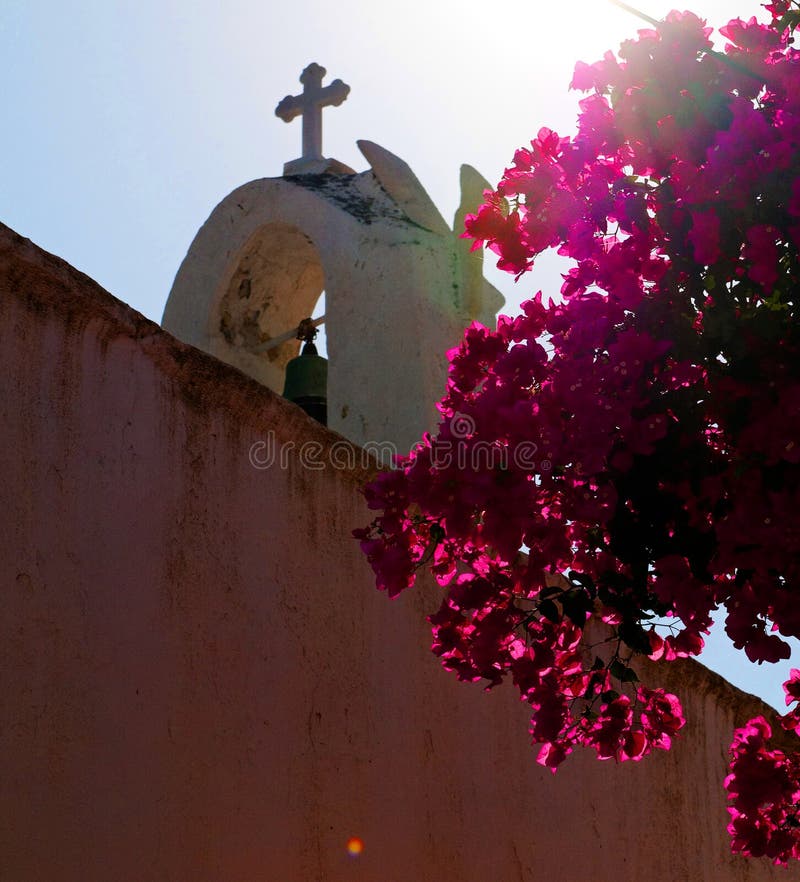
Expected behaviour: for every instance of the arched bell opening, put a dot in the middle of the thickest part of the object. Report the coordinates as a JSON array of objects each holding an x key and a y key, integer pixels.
[{"x": 276, "y": 281}]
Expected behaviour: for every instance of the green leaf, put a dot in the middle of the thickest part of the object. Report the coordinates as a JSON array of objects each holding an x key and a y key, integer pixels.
[
  {"x": 634, "y": 636},
  {"x": 582, "y": 579},
  {"x": 437, "y": 532},
  {"x": 550, "y": 611},
  {"x": 790, "y": 20},
  {"x": 551, "y": 591},
  {"x": 618, "y": 669},
  {"x": 623, "y": 671},
  {"x": 577, "y": 606}
]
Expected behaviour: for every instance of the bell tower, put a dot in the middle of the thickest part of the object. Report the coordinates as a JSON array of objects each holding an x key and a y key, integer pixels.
[{"x": 400, "y": 284}]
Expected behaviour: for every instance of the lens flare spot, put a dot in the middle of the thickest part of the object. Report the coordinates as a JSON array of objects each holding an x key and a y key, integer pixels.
[{"x": 355, "y": 846}]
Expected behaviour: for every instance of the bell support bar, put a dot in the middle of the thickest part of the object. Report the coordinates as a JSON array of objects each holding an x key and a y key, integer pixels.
[{"x": 273, "y": 342}]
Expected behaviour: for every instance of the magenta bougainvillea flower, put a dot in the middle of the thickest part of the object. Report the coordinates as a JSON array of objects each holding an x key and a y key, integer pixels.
[{"x": 639, "y": 436}]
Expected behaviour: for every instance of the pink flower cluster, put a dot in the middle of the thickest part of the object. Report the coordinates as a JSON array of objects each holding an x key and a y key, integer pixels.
[
  {"x": 764, "y": 787},
  {"x": 661, "y": 396}
]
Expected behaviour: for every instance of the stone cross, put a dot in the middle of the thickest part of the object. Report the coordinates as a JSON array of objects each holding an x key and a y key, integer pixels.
[{"x": 309, "y": 105}]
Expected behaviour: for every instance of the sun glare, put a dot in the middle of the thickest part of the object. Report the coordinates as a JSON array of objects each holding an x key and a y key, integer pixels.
[
  {"x": 355, "y": 846},
  {"x": 594, "y": 26}
]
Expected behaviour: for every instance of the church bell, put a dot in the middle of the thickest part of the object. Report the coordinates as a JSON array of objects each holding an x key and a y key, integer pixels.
[{"x": 307, "y": 376}]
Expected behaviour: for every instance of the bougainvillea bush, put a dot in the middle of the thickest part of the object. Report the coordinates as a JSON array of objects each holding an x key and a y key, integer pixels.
[{"x": 639, "y": 436}]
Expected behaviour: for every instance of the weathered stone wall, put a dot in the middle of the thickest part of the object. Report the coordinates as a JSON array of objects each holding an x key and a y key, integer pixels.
[{"x": 199, "y": 682}]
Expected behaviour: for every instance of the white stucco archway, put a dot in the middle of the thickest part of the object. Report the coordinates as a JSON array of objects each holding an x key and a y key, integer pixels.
[
  {"x": 276, "y": 281},
  {"x": 400, "y": 288}
]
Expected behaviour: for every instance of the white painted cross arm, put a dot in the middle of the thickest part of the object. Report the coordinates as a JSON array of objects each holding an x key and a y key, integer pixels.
[{"x": 309, "y": 105}]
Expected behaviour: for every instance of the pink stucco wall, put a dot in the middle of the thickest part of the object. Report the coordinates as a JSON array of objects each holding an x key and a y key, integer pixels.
[{"x": 199, "y": 682}]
